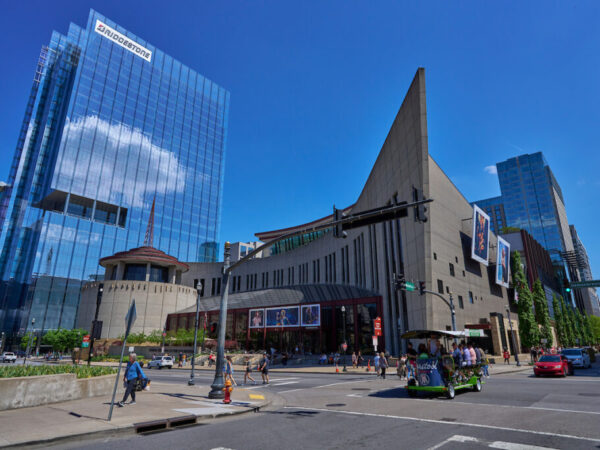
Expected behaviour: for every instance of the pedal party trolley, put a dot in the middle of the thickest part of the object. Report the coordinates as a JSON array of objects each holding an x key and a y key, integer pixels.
[{"x": 441, "y": 375}]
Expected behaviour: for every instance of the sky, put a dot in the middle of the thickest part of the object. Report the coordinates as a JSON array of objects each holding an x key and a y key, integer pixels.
[{"x": 315, "y": 86}]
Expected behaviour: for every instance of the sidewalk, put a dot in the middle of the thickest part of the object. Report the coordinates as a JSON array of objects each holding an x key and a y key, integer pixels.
[{"x": 164, "y": 406}]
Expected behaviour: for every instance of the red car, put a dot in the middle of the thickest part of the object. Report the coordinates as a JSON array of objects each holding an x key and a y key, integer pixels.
[{"x": 553, "y": 365}]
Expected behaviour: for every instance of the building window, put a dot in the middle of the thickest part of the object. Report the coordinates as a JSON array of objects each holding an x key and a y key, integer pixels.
[
  {"x": 464, "y": 274},
  {"x": 440, "y": 286},
  {"x": 435, "y": 256},
  {"x": 471, "y": 297},
  {"x": 451, "y": 268},
  {"x": 461, "y": 304},
  {"x": 456, "y": 259}
]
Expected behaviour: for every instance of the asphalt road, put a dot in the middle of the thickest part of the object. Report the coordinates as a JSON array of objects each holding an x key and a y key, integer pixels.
[{"x": 346, "y": 411}]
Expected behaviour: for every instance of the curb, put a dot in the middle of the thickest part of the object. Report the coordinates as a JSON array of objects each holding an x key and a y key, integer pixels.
[{"x": 171, "y": 423}]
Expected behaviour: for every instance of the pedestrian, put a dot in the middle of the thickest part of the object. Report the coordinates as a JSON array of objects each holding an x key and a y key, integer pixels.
[
  {"x": 264, "y": 368},
  {"x": 180, "y": 362},
  {"x": 248, "y": 374},
  {"x": 133, "y": 372},
  {"x": 506, "y": 356},
  {"x": 228, "y": 370},
  {"x": 376, "y": 363},
  {"x": 402, "y": 366},
  {"x": 383, "y": 364},
  {"x": 354, "y": 360},
  {"x": 360, "y": 359},
  {"x": 485, "y": 364}
]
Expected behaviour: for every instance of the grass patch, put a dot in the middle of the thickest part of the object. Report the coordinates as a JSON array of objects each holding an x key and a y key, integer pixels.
[{"x": 32, "y": 371}]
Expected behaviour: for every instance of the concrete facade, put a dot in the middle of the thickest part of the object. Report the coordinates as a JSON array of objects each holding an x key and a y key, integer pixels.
[
  {"x": 370, "y": 256},
  {"x": 154, "y": 301}
]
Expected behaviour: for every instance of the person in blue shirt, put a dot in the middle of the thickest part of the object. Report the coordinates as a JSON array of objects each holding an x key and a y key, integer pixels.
[{"x": 132, "y": 373}]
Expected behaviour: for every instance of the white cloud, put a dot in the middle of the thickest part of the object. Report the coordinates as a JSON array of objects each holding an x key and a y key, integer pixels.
[
  {"x": 492, "y": 170},
  {"x": 118, "y": 151}
]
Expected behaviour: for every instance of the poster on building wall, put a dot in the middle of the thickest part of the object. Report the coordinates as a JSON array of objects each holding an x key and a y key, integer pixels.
[
  {"x": 503, "y": 263},
  {"x": 481, "y": 236},
  {"x": 285, "y": 316},
  {"x": 311, "y": 315},
  {"x": 257, "y": 318}
]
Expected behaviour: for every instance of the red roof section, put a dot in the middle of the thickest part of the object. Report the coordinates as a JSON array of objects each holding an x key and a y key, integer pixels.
[
  {"x": 266, "y": 236},
  {"x": 146, "y": 254}
]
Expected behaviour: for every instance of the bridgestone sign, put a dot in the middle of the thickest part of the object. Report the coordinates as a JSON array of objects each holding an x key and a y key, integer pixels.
[{"x": 123, "y": 41}]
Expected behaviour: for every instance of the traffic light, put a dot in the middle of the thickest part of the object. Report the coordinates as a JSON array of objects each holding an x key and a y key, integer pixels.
[
  {"x": 421, "y": 209},
  {"x": 338, "y": 231},
  {"x": 400, "y": 282},
  {"x": 567, "y": 285},
  {"x": 421, "y": 287}
]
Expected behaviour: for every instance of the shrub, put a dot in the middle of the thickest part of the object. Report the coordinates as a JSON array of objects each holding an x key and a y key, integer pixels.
[{"x": 32, "y": 371}]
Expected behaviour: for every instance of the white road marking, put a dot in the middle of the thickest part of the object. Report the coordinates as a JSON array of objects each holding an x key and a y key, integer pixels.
[
  {"x": 291, "y": 390},
  {"x": 341, "y": 382},
  {"x": 540, "y": 408},
  {"x": 288, "y": 382},
  {"x": 495, "y": 444},
  {"x": 454, "y": 424},
  {"x": 354, "y": 395}
]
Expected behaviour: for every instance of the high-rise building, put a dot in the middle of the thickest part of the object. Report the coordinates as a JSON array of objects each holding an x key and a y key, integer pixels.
[
  {"x": 589, "y": 296},
  {"x": 112, "y": 124},
  {"x": 532, "y": 200}
]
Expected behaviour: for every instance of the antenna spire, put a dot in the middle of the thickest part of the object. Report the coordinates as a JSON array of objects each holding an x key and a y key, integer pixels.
[{"x": 149, "y": 239}]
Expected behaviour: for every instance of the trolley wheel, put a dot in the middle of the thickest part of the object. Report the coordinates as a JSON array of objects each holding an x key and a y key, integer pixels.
[
  {"x": 477, "y": 387},
  {"x": 450, "y": 392}
]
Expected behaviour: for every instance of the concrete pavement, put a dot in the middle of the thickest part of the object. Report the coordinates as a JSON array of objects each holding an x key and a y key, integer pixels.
[
  {"x": 165, "y": 402},
  {"x": 514, "y": 411}
]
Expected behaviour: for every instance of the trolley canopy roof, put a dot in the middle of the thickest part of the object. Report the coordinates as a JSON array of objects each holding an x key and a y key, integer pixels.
[{"x": 424, "y": 334}]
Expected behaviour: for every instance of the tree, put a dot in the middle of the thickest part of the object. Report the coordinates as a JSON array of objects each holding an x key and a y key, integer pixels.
[
  {"x": 558, "y": 321},
  {"x": 542, "y": 316},
  {"x": 568, "y": 324},
  {"x": 585, "y": 329},
  {"x": 63, "y": 340},
  {"x": 528, "y": 329},
  {"x": 25, "y": 340},
  {"x": 595, "y": 328}
]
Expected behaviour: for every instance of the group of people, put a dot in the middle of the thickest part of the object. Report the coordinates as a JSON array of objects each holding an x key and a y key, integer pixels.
[{"x": 263, "y": 368}]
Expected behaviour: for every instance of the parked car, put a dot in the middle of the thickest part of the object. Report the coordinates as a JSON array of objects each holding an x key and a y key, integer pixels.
[
  {"x": 578, "y": 356},
  {"x": 553, "y": 365},
  {"x": 160, "y": 362},
  {"x": 9, "y": 357}
]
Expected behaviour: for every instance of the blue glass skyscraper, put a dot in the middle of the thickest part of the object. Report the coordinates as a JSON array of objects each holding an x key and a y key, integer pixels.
[{"x": 112, "y": 124}]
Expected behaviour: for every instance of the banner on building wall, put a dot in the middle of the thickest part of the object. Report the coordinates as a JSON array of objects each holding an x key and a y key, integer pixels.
[
  {"x": 256, "y": 318},
  {"x": 285, "y": 316},
  {"x": 481, "y": 236},
  {"x": 503, "y": 263},
  {"x": 311, "y": 315}
]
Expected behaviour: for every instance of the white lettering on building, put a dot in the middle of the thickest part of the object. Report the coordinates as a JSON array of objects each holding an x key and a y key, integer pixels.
[{"x": 123, "y": 41}]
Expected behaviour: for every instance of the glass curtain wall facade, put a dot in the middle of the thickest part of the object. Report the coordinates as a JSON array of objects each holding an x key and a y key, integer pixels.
[{"x": 112, "y": 123}]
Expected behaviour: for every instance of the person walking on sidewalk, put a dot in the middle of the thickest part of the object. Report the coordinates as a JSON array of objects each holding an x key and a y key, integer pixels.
[
  {"x": 354, "y": 360},
  {"x": 133, "y": 372},
  {"x": 264, "y": 368},
  {"x": 506, "y": 356},
  {"x": 376, "y": 361},
  {"x": 247, "y": 375},
  {"x": 383, "y": 364},
  {"x": 228, "y": 370}
]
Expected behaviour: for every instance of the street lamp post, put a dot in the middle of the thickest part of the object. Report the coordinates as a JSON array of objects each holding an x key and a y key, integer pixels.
[
  {"x": 344, "y": 344},
  {"x": 164, "y": 335},
  {"x": 29, "y": 341},
  {"x": 218, "y": 384},
  {"x": 199, "y": 290},
  {"x": 512, "y": 337},
  {"x": 95, "y": 322}
]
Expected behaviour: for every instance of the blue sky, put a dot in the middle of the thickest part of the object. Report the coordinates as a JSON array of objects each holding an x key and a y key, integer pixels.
[{"x": 315, "y": 87}]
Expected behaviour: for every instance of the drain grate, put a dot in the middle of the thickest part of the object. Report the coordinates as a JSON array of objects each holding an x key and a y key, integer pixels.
[
  {"x": 361, "y": 389},
  {"x": 336, "y": 404},
  {"x": 448, "y": 419}
]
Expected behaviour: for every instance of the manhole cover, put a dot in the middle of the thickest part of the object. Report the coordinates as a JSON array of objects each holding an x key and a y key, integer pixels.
[
  {"x": 448, "y": 419},
  {"x": 336, "y": 404},
  {"x": 589, "y": 394}
]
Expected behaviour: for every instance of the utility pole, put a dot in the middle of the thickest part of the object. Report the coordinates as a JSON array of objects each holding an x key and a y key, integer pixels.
[
  {"x": 344, "y": 344},
  {"x": 218, "y": 384},
  {"x": 512, "y": 337},
  {"x": 95, "y": 322},
  {"x": 199, "y": 291}
]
